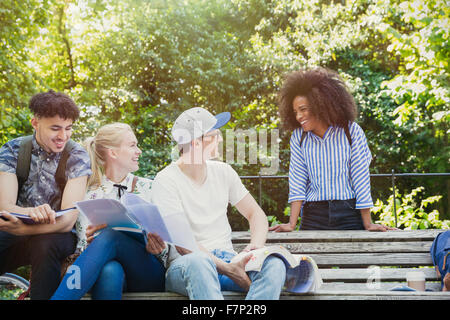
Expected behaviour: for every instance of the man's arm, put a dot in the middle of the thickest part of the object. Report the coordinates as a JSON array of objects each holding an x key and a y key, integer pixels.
[
  {"x": 8, "y": 193},
  {"x": 257, "y": 219},
  {"x": 74, "y": 191},
  {"x": 8, "y": 198}
]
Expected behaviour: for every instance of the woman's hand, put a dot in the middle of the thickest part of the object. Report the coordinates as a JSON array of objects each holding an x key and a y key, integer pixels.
[
  {"x": 91, "y": 230},
  {"x": 369, "y": 226},
  {"x": 155, "y": 245},
  {"x": 378, "y": 227},
  {"x": 285, "y": 227}
]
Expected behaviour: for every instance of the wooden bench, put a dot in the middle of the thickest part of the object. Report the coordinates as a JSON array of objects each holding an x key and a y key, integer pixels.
[{"x": 344, "y": 258}]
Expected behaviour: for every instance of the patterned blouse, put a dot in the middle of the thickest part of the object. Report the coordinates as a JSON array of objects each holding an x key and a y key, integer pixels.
[
  {"x": 41, "y": 187},
  {"x": 107, "y": 190}
]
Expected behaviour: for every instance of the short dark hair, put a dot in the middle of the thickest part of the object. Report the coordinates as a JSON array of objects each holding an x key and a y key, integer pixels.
[
  {"x": 328, "y": 96},
  {"x": 51, "y": 103}
]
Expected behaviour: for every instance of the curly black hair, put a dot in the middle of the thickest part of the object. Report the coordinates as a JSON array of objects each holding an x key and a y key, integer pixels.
[
  {"x": 328, "y": 96},
  {"x": 51, "y": 103}
]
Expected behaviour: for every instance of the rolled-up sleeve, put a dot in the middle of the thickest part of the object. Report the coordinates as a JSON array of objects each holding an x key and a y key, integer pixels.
[
  {"x": 78, "y": 163},
  {"x": 298, "y": 173},
  {"x": 8, "y": 156},
  {"x": 360, "y": 161}
]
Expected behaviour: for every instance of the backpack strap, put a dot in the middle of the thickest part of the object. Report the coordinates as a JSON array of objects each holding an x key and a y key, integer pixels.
[
  {"x": 347, "y": 133},
  {"x": 23, "y": 161},
  {"x": 302, "y": 138},
  {"x": 60, "y": 175}
]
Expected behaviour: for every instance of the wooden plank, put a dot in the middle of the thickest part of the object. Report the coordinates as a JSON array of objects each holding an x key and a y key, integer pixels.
[
  {"x": 153, "y": 296},
  {"x": 363, "y": 274},
  {"x": 341, "y": 235},
  {"x": 320, "y": 295},
  {"x": 368, "y": 295},
  {"x": 350, "y": 247},
  {"x": 383, "y": 286},
  {"x": 356, "y": 260}
]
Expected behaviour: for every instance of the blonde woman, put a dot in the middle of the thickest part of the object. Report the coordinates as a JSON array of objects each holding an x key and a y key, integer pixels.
[{"x": 112, "y": 261}]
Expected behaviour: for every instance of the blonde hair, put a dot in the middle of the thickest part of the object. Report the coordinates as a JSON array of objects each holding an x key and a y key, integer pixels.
[{"x": 108, "y": 136}]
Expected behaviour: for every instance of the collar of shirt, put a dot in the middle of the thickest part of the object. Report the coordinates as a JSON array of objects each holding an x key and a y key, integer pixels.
[
  {"x": 328, "y": 134},
  {"x": 108, "y": 185},
  {"x": 41, "y": 153}
]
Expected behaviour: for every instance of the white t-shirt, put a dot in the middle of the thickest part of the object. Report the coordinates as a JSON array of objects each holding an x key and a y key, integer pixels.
[{"x": 205, "y": 205}]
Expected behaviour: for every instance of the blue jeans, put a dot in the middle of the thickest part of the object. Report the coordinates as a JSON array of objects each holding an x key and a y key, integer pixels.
[
  {"x": 110, "y": 283},
  {"x": 195, "y": 275},
  {"x": 101, "y": 264},
  {"x": 331, "y": 215}
]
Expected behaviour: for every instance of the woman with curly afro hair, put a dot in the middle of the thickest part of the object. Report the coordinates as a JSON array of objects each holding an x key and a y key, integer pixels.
[{"x": 329, "y": 180}]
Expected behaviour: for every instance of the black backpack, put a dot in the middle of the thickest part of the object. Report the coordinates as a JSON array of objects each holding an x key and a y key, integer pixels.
[{"x": 24, "y": 160}]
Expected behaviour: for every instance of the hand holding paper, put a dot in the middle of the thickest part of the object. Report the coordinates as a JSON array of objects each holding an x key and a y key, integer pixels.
[{"x": 133, "y": 214}]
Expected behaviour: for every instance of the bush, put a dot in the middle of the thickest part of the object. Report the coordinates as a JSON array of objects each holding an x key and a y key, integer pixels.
[{"x": 412, "y": 212}]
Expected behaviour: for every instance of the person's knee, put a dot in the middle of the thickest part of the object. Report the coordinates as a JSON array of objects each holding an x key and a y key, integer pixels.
[
  {"x": 275, "y": 268},
  {"x": 43, "y": 243},
  {"x": 107, "y": 235},
  {"x": 197, "y": 261},
  {"x": 112, "y": 270},
  {"x": 108, "y": 238},
  {"x": 56, "y": 246},
  {"x": 110, "y": 282}
]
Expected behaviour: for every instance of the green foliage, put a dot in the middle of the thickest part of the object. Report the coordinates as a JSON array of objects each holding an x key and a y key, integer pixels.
[
  {"x": 412, "y": 212},
  {"x": 420, "y": 88},
  {"x": 7, "y": 293},
  {"x": 19, "y": 25}
]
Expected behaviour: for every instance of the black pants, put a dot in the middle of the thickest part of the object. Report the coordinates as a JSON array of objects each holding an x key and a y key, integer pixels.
[
  {"x": 44, "y": 252},
  {"x": 331, "y": 215}
]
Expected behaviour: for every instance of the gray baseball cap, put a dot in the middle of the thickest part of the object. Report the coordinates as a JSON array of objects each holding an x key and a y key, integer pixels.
[{"x": 195, "y": 122}]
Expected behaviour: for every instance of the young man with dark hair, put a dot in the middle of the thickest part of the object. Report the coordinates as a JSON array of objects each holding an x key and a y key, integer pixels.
[{"x": 47, "y": 242}]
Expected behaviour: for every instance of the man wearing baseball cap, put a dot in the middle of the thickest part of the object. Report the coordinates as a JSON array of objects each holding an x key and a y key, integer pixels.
[{"x": 202, "y": 189}]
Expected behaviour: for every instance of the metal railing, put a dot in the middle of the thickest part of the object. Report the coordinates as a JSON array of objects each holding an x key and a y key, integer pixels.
[{"x": 392, "y": 175}]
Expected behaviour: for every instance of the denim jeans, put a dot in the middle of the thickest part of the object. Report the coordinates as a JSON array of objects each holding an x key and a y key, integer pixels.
[
  {"x": 195, "y": 275},
  {"x": 110, "y": 283},
  {"x": 143, "y": 271},
  {"x": 44, "y": 252},
  {"x": 331, "y": 215}
]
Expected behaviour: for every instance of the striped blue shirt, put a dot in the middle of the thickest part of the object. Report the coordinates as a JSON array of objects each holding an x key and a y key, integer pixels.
[{"x": 329, "y": 168}]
